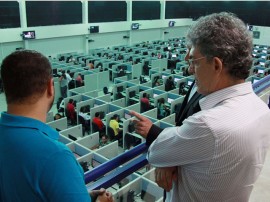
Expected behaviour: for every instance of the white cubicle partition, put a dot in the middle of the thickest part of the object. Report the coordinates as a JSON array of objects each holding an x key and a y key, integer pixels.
[
  {"x": 109, "y": 151},
  {"x": 60, "y": 124}
]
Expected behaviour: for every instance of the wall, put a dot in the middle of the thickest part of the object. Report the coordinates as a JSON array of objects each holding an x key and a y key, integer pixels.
[
  {"x": 52, "y": 40},
  {"x": 264, "y": 35}
]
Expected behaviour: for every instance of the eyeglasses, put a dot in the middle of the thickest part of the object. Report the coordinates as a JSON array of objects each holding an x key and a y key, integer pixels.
[{"x": 191, "y": 61}]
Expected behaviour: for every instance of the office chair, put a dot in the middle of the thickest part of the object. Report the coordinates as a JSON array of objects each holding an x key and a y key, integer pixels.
[
  {"x": 85, "y": 126},
  {"x": 110, "y": 133},
  {"x": 144, "y": 107},
  {"x": 95, "y": 128}
]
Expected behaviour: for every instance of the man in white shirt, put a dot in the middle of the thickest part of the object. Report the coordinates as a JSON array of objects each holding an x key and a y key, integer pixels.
[{"x": 218, "y": 153}]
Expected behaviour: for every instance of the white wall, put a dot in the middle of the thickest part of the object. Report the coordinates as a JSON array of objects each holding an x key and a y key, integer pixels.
[
  {"x": 52, "y": 40},
  {"x": 264, "y": 35}
]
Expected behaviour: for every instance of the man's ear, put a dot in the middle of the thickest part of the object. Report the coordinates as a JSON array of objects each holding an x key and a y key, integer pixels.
[
  {"x": 50, "y": 87},
  {"x": 218, "y": 65}
]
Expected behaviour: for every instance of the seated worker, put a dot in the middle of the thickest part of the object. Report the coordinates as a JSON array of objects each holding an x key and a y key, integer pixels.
[
  {"x": 163, "y": 110},
  {"x": 104, "y": 140},
  {"x": 169, "y": 84},
  {"x": 71, "y": 113},
  {"x": 96, "y": 120},
  {"x": 114, "y": 124},
  {"x": 145, "y": 103},
  {"x": 79, "y": 80},
  {"x": 57, "y": 116}
]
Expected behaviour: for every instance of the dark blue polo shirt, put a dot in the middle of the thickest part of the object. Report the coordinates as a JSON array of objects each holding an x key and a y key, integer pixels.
[{"x": 34, "y": 166}]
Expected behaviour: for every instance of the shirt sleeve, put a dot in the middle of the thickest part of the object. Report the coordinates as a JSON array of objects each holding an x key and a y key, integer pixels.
[
  {"x": 176, "y": 146},
  {"x": 153, "y": 134},
  {"x": 63, "y": 179}
]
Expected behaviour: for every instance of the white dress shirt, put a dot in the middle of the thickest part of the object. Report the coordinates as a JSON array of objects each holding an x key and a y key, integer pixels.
[{"x": 220, "y": 150}]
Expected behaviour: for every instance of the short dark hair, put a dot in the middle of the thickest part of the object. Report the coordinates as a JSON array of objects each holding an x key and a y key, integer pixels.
[
  {"x": 25, "y": 76},
  {"x": 144, "y": 94},
  {"x": 225, "y": 36},
  {"x": 115, "y": 116},
  {"x": 97, "y": 114}
]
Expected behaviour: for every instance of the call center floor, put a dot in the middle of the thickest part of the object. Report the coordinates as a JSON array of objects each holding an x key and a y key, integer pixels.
[{"x": 260, "y": 192}]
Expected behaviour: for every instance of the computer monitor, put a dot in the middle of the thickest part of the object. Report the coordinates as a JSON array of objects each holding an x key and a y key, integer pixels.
[
  {"x": 262, "y": 63},
  {"x": 102, "y": 115},
  {"x": 28, "y": 35},
  {"x": 120, "y": 89},
  {"x": 132, "y": 93},
  {"x": 94, "y": 29},
  {"x": 171, "y": 23},
  {"x": 170, "y": 100},
  {"x": 255, "y": 80},
  {"x": 127, "y": 116},
  {"x": 260, "y": 71},
  {"x": 163, "y": 76},
  {"x": 176, "y": 79},
  {"x": 54, "y": 71},
  {"x": 173, "y": 55},
  {"x": 189, "y": 83},
  {"x": 135, "y": 26},
  {"x": 155, "y": 95}
]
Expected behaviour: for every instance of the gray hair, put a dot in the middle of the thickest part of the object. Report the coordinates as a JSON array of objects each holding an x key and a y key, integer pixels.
[{"x": 225, "y": 36}]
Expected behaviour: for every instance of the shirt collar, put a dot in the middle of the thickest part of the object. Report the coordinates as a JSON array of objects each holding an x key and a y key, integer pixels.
[
  {"x": 214, "y": 98},
  {"x": 26, "y": 122}
]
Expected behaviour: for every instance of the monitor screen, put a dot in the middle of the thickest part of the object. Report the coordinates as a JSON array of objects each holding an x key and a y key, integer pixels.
[
  {"x": 173, "y": 55},
  {"x": 94, "y": 29},
  {"x": 155, "y": 95},
  {"x": 127, "y": 116},
  {"x": 255, "y": 80},
  {"x": 29, "y": 35},
  {"x": 189, "y": 83},
  {"x": 132, "y": 93},
  {"x": 120, "y": 89},
  {"x": 102, "y": 115},
  {"x": 264, "y": 51},
  {"x": 262, "y": 63},
  {"x": 163, "y": 76},
  {"x": 171, "y": 23},
  {"x": 135, "y": 26},
  {"x": 263, "y": 57},
  {"x": 170, "y": 100},
  {"x": 176, "y": 79},
  {"x": 260, "y": 71}
]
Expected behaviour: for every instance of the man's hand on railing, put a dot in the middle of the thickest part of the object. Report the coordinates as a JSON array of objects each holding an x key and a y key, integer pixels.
[
  {"x": 165, "y": 177},
  {"x": 142, "y": 124},
  {"x": 101, "y": 196}
]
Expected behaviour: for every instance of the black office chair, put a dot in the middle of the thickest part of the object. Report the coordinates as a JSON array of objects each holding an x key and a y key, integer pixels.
[
  {"x": 110, "y": 133},
  {"x": 85, "y": 126},
  {"x": 94, "y": 128},
  {"x": 71, "y": 84},
  {"x": 144, "y": 107},
  {"x": 78, "y": 84}
]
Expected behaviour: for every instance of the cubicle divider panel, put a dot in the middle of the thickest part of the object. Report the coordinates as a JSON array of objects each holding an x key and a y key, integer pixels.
[
  {"x": 74, "y": 133},
  {"x": 103, "y": 79},
  {"x": 91, "y": 82},
  {"x": 60, "y": 124},
  {"x": 109, "y": 151}
]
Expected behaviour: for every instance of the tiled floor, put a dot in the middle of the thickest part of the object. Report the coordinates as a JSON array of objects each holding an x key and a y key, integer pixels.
[{"x": 260, "y": 192}]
